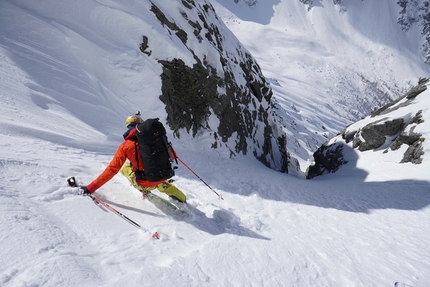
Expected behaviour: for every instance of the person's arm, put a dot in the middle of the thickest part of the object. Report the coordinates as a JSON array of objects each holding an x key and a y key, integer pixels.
[{"x": 110, "y": 171}]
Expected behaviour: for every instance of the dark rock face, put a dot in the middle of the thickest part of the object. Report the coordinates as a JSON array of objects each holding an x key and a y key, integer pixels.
[
  {"x": 187, "y": 92},
  {"x": 414, "y": 152},
  {"x": 408, "y": 138},
  {"x": 328, "y": 159},
  {"x": 374, "y": 134},
  {"x": 383, "y": 132},
  {"x": 235, "y": 92}
]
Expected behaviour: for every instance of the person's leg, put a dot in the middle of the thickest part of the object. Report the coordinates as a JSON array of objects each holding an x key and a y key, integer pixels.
[
  {"x": 128, "y": 172},
  {"x": 172, "y": 191}
]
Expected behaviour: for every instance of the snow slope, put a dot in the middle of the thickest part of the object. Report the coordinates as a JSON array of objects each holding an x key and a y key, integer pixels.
[{"x": 69, "y": 75}]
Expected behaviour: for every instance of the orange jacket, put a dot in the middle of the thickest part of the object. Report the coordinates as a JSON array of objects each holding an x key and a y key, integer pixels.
[{"x": 126, "y": 150}]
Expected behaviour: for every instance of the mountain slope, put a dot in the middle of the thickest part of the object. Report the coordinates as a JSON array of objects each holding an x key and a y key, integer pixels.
[
  {"x": 182, "y": 54},
  {"x": 328, "y": 57},
  {"x": 67, "y": 81}
]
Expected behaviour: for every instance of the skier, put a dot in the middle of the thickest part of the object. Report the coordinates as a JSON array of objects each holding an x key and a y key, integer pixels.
[{"x": 129, "y": 150}]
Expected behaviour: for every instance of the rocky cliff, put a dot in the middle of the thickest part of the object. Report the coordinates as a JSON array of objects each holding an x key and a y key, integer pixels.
[{"x": 219, "y": 89}]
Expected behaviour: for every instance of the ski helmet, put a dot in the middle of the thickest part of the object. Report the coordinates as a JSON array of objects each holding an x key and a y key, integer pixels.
[{"x": 133, "y": 120}]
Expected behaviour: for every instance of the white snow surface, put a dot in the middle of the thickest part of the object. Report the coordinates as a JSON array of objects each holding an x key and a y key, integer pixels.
[{"x": 71, "y": 72}]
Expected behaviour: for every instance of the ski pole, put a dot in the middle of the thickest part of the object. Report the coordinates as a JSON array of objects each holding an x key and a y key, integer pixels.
[
  {"x": 219, "y": 195},
  {"x": 99, "y": 201},
  {"x": 72, "y": 183}
]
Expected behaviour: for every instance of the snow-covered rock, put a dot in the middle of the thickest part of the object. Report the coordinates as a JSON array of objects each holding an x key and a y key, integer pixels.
[{"x": 397, "y": 126}]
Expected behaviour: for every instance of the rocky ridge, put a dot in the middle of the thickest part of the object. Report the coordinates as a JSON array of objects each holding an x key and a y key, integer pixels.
[{"x": 386, "y": 129}]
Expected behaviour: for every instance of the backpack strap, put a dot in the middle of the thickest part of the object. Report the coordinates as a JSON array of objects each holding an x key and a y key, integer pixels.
[
  {"x": 139, "y": 174},
  {"x": 136, "y": 152}
]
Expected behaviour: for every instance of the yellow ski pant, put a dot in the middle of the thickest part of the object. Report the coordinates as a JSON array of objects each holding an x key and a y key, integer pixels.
[{"x": 165, "y": 187}]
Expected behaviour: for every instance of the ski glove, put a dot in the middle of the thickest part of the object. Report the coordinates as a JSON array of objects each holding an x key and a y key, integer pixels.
[{"x": 84, "y": 190}]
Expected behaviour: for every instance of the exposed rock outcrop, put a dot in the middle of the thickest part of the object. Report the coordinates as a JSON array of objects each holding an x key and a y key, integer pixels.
[
  {"x": 328, "y": 158},
  {"x": 374, "y": 135},
  {"x": 387, "y": 128},
  {"x": 223, "y": 92}
]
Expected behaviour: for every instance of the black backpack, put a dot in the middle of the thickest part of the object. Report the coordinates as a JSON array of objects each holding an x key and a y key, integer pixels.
[{"x": 157, "y": 153}]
